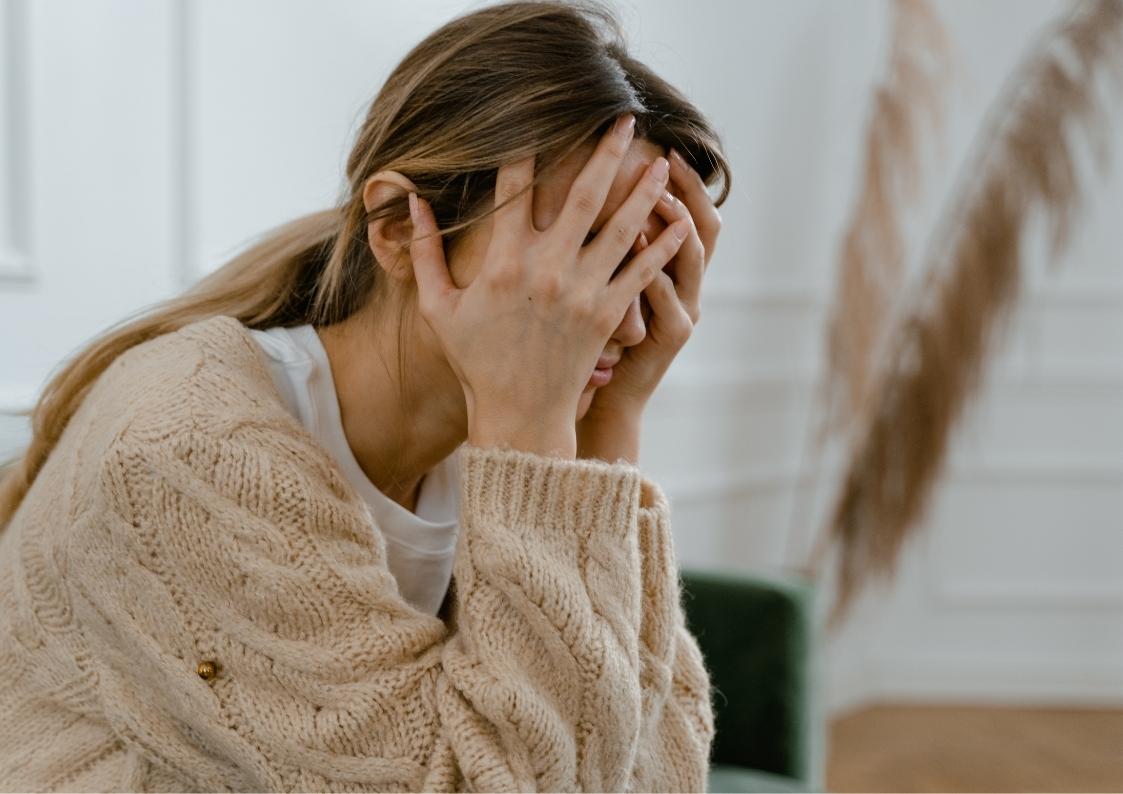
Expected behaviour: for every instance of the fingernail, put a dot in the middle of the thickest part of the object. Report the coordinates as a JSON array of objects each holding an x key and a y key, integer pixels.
[
  {"x": 668, "y": 199},
  {"x": 678, "y": 157},
  {"x": 680, "y": 229},
  {"x": 660, "y": 169},
  {"x": 642, "y": 241},
  {"x": 413, "y": 207},
  {"x": 624, "y": 125}
]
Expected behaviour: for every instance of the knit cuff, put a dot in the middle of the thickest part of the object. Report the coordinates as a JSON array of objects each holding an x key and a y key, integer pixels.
[{"x": 513, "y": 488}]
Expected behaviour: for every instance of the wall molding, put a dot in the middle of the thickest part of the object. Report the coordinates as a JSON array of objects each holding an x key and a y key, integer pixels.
[
  {"x": 706, "y": 378},
  {"x": 16, "y": 397},
  {"x": 873, "y": 680},
  {"x": 950, "y": 593},
  {"x": 1021, "y": 681},
  {"x": 816, "y": 295},
  {"x": 705, "y": 486},
  {"x": 17, "y": 263}
]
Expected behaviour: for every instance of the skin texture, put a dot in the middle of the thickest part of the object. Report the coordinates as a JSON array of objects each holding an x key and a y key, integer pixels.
[{"x": 363, "y": 349}]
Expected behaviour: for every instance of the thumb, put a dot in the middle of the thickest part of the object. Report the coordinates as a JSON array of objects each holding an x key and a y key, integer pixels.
[{"x": 426, "y": 251}]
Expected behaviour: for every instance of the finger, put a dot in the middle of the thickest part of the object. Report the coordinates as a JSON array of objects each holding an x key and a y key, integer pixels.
[
  {"x": 514, "y": 200},
  {"x": 698, "y": 201},
  {"x": 640, "y": 271},
  {"x": 673, "y": 317},
  {"x": 640, "y": 244},
  {"x": 690, "y": 262},
  {"x": 637, "y": 246},
  {"x": 619, "y": 232},
  {"x": 590, "y": 188},
  {"x": 434, "y": 284}
]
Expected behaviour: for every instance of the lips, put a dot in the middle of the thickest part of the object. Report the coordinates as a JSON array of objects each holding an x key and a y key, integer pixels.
[{"x": 607, "y": 363}]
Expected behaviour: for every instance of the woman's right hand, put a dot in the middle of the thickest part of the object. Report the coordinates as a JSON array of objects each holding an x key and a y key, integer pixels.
[{"x": 525, "y": 335}]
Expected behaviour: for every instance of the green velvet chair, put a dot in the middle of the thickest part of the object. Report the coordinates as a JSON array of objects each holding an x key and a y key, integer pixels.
[{"x": 757, "y": 636}]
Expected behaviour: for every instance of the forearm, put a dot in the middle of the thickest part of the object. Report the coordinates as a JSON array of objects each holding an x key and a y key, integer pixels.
[{"x": 546, "y": 647}]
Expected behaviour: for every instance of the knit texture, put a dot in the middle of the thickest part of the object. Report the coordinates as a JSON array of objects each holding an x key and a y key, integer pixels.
[{"x": 186, "y": 516}]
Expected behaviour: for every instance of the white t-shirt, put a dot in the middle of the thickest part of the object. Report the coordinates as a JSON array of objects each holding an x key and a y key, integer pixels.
[{"x": 420, "y": 545}]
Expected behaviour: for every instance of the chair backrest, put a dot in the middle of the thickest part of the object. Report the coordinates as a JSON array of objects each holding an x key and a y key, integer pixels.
[{"x": 756, "y": 634}]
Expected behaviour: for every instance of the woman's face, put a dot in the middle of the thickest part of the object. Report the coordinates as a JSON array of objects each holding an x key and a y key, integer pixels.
[{"x": 466, "y": 257}]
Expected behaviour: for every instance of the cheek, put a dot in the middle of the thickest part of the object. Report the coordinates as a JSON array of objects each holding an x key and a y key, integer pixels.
[
  {"x": 585, "y": 401},
  {"x": 645, "y": 310}
]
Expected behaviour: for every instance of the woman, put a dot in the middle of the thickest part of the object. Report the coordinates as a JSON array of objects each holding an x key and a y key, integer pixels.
[{"x": 361, "y": 511}]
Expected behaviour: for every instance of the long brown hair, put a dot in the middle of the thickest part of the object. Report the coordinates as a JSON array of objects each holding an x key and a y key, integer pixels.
[{"x": 497, "y": 84}]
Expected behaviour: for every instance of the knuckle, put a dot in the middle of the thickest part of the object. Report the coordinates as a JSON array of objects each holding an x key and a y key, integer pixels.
[
  {"x": 617, "y": 147},
  {"x": 584, "y": 199},
  {"x": 680, "y": 329},
  {"x": 583, "y": 310},
  {"x": 507, "y": 188},
  {"x": 605, "y": 320},
  {"x": 548, "y": 285},
  {"x": 504, "y": 274},
  {"x": 622, "y": 234}
]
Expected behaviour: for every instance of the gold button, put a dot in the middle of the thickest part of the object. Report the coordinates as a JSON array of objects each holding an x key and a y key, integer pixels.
[{"x": 207, "y": 669}]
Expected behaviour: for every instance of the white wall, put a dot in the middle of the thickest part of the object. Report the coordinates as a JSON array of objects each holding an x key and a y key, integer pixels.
[{"x": 141, "y": 144}]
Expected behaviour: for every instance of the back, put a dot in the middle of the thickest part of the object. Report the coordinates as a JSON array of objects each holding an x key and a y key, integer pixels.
[{"x": 56, "y": 735}]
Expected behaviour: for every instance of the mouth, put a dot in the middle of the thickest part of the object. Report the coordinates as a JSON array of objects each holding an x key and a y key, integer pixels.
[{"x": 600, "y": 377}]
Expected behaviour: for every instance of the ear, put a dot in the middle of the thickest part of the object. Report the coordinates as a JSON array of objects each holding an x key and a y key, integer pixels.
[{"x": 386, "y": 235}]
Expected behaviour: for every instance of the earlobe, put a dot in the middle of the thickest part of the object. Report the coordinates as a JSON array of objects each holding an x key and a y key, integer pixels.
[{"x": 388, "y": 236}]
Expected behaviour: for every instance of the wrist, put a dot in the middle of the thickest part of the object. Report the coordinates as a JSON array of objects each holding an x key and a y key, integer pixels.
[
  {"x": 610, "y": 438},
  {"x": 539, "y": 438}
]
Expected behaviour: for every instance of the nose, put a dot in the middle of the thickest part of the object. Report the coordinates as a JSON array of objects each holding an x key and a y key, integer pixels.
[{"x": 632, "y": 329}]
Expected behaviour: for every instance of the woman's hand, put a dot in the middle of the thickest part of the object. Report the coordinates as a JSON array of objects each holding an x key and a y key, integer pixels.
[
  {"x": 610, "y": 428},
  {"x": 524, "y": 336}
]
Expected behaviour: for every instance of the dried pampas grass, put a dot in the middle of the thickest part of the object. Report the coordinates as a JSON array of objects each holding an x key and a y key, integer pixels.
[
  {"x": 1024, "y": 165},
  {"x": 906, "y": 103}
]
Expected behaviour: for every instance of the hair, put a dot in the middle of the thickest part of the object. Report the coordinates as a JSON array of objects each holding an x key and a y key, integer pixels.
[{"x": 497, "y": 84}]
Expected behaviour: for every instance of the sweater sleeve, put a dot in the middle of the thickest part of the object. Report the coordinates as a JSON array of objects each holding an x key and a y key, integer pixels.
[
  {"x": 677, "y": 705},
  {"x": 248, "y": 551}
]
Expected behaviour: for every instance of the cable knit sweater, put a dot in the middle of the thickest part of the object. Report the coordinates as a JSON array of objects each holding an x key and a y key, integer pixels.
[{"x": 193, "y": 598}]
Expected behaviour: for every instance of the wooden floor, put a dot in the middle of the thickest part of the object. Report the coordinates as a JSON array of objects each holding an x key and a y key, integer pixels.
[{"x": 993, "y": 749}]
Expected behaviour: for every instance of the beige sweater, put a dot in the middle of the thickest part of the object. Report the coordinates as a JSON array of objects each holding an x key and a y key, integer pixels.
[{"x": 185, "y": 517}]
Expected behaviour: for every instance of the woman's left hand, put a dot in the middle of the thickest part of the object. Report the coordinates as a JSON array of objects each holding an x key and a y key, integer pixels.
[{"x": 610, "y": 428}]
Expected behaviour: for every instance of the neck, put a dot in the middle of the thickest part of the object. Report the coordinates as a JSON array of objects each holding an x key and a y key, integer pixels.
[{"x": 395, "y": 443}]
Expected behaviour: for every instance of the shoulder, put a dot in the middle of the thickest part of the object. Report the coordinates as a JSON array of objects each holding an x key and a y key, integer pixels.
[
  {"x": 206, "y": 370},
  {"x": 208, "y": 373},
  {"x": 193, "y": 391}
]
